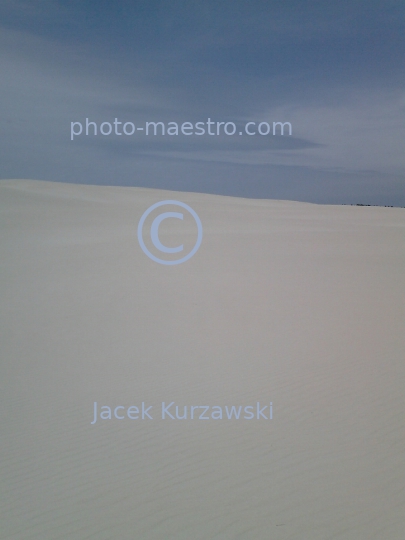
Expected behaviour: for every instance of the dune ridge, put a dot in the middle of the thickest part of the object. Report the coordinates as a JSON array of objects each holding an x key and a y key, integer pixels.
[{"x": 297, "y": 304}]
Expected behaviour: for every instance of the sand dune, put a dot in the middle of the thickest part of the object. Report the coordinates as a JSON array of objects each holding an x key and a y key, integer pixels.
[{"x": 296, "y": 304}]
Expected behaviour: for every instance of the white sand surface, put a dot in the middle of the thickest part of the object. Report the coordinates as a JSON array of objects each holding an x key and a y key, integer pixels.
[{"x": 297, "y": 304}]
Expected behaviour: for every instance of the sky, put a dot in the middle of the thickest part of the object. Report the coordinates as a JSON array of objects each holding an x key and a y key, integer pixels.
[{"x": 334, "y": 70}]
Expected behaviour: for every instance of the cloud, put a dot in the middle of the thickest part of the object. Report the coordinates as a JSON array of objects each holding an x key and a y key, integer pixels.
[{"x": 257, "y": 61}]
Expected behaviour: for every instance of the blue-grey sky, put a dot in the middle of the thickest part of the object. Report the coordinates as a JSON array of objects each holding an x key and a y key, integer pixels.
[{"x": 335, "y": 70}]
